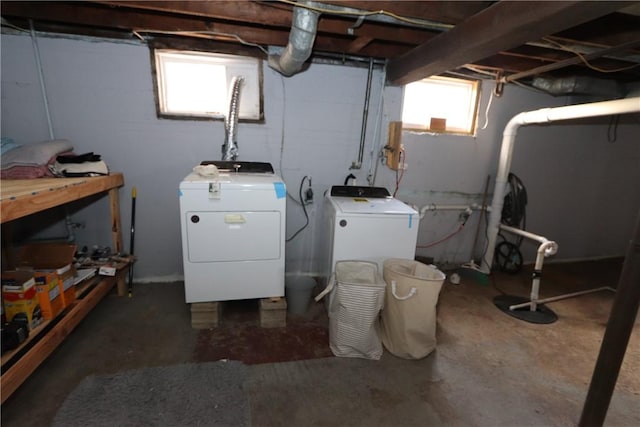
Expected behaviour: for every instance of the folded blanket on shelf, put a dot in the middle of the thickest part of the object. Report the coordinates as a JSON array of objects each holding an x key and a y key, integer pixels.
[
  {"x": 29, "y": 172},
  {"x": 35, "y": 154}
]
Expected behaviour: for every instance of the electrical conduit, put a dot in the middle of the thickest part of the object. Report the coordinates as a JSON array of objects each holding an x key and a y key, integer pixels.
[{"x": 365, "y": 114}]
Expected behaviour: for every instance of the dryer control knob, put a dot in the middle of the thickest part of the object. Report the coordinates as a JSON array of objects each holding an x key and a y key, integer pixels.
[
  {"x": 343, "y": 223},
  {"x": 195, "y": 219}
]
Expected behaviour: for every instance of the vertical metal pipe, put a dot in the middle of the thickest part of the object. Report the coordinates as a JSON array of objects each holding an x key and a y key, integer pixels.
[
  {"x": 616, "y": 337},
  {"x": 365, "y": 116},
  {"x": 375, "y": 146},
  {"x": 43, "y": 88}
]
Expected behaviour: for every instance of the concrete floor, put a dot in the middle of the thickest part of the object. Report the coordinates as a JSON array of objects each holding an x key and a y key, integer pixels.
[{"x": 488, "y": 369}]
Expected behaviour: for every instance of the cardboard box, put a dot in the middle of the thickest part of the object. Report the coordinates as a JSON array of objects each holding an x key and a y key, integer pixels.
[
  {"x": 437, "y": 124},
  {"x": 67, "y": 284},
  {"x": 52, "y": 258},
  {"x": 21, "y": 298},
  {"x": 49, "y": 294}
]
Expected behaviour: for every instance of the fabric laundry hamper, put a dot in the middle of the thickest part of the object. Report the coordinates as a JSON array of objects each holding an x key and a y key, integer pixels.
[
  {"x": 408, "y": 321},
  {"x": 356, "y": 296}
]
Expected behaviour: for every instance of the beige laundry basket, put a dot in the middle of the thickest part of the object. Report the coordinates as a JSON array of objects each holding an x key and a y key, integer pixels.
[
  {"x": 408, "y": 321},
  {"x": 356, "y": 296}
]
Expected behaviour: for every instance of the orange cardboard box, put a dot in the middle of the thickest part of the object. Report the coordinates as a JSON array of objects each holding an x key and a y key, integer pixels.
[
  {"x": 49, "y": 296},
  {"x": 53, "y": 258},
  {"x": 66, "y": 284},
  {"x": 20, "y": 298}
]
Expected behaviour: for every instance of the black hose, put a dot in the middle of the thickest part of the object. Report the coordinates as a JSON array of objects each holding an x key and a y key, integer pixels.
[
  {"x": 514, "y": 213},
  {"x": 350, "y": 176},
  {"x": 304, "y": 209},
  {"x": 514, "y": 210}
]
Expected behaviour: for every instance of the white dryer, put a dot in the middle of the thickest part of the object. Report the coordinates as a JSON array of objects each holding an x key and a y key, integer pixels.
[
  {"x": 366, "y": 223},
  {"x": 233, "y": 233}
]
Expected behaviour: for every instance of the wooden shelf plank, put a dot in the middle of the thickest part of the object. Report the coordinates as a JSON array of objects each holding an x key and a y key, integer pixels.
[
  {"x": 16, "y": 374},
  {"x": 22, "y": 197},
  {"x": 19, "y": 198},
  {"x": 33, "y": 334}
]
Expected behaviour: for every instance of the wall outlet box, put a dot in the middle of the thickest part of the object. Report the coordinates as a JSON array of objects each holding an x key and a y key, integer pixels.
[{"x": 107, "y": 271}]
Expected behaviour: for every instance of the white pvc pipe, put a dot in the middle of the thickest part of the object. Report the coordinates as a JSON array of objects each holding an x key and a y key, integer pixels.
[
  {"x": 561, "y": 297},
  {"x": 545, "y": 115},
  {"x": 543, "y": 250},
  {"x": 434, "y": 207},
  {"x": 528, "y": 235},
  {"x": 547, "y": 248}
]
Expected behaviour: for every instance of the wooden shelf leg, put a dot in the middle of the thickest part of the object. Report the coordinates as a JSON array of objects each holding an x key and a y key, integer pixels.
[
  {"x": 116, "y": 230},
  {"x": 121, "y": 283}
]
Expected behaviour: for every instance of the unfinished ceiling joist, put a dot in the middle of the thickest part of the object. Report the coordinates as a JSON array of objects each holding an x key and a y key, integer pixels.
[
  {"x": 402, "y": 32},
  {"x": 571, "y": 61},
  {"x": 502, "y": 26}
]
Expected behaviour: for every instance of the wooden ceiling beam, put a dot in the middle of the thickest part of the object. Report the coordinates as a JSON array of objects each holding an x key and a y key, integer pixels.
[
  {"x": 161, "y": 16},
  {"x": 277, "y": 15},
  {"x": 610, "y": 30},
  {"x": 103, "y": 16},
  {"x": 359, "y": 43},
  {"x": 502, "y": 26},
  {"x": 242, "y": 11},
  {"x": 94, "y": 21},
  {"x": 572, "y": 61},
  {"x": 448, "y": 12},
  {"x": 128, "y": 21}
]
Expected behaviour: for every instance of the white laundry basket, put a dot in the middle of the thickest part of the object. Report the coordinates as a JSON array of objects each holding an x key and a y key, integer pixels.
[
  {"x": 408, "y": 321},
  {"x": 356, "y": 297}
]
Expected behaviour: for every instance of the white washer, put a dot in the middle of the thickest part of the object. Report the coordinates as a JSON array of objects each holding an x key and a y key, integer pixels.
[
  {"x": 365, "y": 223},
  {"x": 233, "y": 235}
]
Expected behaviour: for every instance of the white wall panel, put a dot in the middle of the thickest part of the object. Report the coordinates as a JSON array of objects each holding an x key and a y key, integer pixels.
[{"x": 582, "y": 189}]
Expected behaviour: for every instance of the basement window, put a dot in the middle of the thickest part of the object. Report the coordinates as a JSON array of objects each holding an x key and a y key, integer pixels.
[
  {"x": 197, "y": 84},
  {"x": 441, "y": 105}
]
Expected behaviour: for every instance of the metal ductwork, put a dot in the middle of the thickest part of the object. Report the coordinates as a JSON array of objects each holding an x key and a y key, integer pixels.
[
  {"x": 580, "y": 85},
  {"x": 230, "y": 146},
  {"x": 301, "y": 38}
]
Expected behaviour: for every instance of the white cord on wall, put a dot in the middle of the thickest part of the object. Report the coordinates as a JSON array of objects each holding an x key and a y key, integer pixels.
[{"x": 486, "y": 112}]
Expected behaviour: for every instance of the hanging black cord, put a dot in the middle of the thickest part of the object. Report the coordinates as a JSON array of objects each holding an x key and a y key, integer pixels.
[{"x": 304, "y": 209}]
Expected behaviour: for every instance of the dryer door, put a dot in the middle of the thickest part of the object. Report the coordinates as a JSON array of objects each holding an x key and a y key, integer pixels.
[{"x": 233, "y": 236}]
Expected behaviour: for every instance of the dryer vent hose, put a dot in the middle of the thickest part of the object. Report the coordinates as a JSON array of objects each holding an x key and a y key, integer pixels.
[{"x": 230, "y": 146}]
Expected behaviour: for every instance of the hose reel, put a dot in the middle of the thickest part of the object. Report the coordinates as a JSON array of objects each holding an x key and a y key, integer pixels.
[{"x": 507, "y": 255}]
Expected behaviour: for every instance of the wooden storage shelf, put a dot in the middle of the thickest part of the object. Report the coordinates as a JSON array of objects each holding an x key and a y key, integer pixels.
[{"x": 19, "y": 198}]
